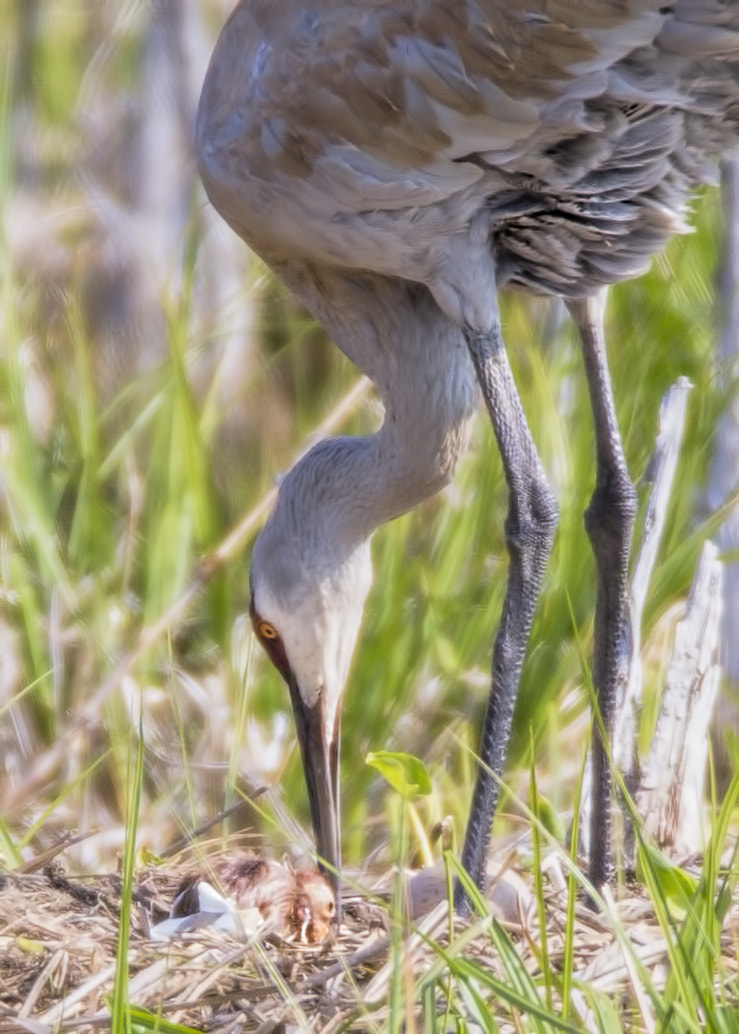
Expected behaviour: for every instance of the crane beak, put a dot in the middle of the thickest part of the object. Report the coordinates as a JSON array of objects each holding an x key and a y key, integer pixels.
[{"x": 318, "y": 736}]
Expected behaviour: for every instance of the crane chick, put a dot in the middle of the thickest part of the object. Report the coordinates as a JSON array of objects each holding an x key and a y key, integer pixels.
[{"x": 296, "y": 905}]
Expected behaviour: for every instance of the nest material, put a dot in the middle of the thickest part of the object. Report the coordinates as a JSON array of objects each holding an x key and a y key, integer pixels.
[{"x": 58, "y": 939}]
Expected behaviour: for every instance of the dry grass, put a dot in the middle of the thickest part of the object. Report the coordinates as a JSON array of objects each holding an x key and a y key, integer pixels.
[{"x": 59, "y": 940}]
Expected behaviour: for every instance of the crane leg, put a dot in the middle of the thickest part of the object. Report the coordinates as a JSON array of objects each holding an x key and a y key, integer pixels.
[
  {"x": 530, "y": 526},
  {"x": 609, "y": 520}
]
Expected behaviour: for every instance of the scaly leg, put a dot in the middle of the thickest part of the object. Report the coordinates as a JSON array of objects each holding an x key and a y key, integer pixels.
[
  {"x": 609, "y": 520},
  {"x": 530, "y": 525}
]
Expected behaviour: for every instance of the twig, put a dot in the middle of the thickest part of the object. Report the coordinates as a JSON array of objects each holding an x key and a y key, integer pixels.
[
  {"x": 357, "y": 958},
  {"x": 45, "y": 974},
  {"x": 661, "y": 474},
  {"x": 44, "y": 858},
  {"x": 671, "y": 790}
]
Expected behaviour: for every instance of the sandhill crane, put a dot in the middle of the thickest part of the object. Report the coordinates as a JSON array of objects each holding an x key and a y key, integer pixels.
[{"x": 395, "y": 162}]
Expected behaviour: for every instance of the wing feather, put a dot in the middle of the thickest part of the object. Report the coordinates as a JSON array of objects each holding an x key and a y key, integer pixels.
[{"x": 591, "y": 118}]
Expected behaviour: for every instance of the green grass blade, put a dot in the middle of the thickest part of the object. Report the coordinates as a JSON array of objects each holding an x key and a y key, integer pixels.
[
  {"x": 572, "y": 888},
  {"x": 120, "y": 1014},
  {"x": 542, "y": 947}
]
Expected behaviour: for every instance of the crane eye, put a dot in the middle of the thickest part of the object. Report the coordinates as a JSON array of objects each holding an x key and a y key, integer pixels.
[{"x": 266, "y": 630}]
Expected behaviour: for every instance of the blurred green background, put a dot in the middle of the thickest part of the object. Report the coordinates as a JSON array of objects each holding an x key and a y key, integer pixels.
[{"x": 154, "y": 380}]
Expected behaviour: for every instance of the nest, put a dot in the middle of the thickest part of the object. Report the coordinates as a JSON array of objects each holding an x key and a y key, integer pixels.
[{"x": 59, "y": 937}]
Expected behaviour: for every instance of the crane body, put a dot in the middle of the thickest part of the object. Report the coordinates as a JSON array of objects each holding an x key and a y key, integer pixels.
[{"x": 395, "y": 162}]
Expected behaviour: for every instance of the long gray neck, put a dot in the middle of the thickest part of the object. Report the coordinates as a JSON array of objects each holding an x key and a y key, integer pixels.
[{"x": 397, "y": 335}]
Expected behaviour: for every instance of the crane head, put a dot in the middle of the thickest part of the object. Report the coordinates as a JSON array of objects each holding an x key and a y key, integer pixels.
[{"x": 307, "y": 598}]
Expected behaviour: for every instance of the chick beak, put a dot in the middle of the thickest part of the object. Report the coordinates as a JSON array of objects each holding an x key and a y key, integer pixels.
[{"x": 318, "y": 736}]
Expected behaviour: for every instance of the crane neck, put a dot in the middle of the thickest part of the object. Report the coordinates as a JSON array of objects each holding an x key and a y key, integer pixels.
[{"x": 395, "y": 332}]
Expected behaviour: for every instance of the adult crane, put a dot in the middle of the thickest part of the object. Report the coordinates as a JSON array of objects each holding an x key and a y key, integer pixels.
[{"x": 395, "y": 162}]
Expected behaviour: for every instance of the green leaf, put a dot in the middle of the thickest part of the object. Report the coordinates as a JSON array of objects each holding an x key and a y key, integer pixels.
[
  {"x": 405, "y": 773},
  {"x": 676, "y": 885},
  {"x": 29, "y": 946},
  {"x": 550, "y": 818}
]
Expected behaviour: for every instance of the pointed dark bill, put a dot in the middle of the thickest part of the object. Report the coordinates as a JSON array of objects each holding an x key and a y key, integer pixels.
[{"x": 319, "y": 749}]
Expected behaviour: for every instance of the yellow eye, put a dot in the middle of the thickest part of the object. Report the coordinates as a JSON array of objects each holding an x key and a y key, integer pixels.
[{"x": 266, "y": 630}]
